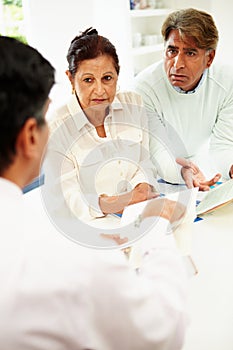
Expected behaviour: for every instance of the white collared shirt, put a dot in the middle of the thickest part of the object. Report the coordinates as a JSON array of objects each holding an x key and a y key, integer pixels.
[
  {"x": 86, "y": 165},
  {"x": 56, "y": 294}
]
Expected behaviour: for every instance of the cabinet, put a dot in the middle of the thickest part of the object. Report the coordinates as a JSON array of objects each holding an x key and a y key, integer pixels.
[{"x": 146, "y": 40}]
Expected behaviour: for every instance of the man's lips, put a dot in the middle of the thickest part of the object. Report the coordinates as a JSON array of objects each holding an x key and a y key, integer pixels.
[{"x": 177, "y": 77}]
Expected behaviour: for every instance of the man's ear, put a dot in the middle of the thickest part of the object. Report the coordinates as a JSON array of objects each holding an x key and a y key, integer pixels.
[
  {"x": 210, "y": 55},
  {"x": 28, "y": 138}
]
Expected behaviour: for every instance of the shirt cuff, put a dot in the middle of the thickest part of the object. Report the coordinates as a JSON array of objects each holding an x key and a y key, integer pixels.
[{"x": 93, "y": 204}]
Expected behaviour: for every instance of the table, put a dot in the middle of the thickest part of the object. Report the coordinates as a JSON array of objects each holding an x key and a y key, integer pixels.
[{"x": 210, "y": 303}]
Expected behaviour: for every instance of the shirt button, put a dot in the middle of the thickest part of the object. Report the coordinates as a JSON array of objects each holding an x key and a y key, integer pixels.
[{"x": 119, "y": 161}]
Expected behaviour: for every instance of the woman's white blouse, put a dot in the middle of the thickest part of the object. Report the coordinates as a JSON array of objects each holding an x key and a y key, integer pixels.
[{"x": 80, "y": 165}]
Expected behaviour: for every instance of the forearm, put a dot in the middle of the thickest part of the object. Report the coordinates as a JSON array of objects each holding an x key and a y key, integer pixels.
[{"x": 115, "y": 204}]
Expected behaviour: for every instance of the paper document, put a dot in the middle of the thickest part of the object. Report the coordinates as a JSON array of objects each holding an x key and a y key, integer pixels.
[
  {"x": 182, "y": 231},
  {"x": 216, "y": 197}
]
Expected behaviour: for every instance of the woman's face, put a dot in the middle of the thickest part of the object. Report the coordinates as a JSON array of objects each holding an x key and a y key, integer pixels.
[{"x": 95, "y": 81}]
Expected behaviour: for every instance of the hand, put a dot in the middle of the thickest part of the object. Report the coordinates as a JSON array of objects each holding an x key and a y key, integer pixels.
[
  {"x": 194, "y": 177},
  {"x": 231, "y": 172},
  {"x": 115, "y": 237},
  {"x": 142, "y": 192},
  {"x": 166, "y": 208},
  {"x": 116, "y": 204}
]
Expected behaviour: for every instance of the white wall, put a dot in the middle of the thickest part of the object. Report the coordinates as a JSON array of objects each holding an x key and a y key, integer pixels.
[
  {"x": 222, "y": 12},
  {"x": 52, "y": 24}
]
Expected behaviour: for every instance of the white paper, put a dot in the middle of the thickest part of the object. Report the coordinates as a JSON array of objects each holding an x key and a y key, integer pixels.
[{"x": 215, "y": 197}]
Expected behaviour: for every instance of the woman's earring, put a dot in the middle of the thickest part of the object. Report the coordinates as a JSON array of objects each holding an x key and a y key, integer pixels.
[{"x": 73, "y": 90}]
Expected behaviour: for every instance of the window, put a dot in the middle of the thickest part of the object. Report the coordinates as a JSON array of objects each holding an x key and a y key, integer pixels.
[{"x": 11, "y": 19}]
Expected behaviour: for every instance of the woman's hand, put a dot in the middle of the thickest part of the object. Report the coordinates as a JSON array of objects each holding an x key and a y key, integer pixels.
[
  {"x": 116, "y": 204},
  {"x": 142, "y": 192},
  {"x": 194, "y": 177}
]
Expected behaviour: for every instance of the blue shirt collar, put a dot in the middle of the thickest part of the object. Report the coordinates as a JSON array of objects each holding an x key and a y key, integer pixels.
[{"x": 177, "y": 88}]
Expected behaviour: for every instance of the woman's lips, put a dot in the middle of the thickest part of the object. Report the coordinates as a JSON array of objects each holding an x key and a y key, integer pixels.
[{"x": 98, "y": 100}]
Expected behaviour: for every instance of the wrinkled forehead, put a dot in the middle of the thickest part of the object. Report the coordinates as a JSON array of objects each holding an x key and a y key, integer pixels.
[{"x": 177, "y": 38}]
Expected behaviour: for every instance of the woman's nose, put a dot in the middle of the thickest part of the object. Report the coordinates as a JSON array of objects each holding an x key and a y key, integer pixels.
[{"x": 99, "y": 87}]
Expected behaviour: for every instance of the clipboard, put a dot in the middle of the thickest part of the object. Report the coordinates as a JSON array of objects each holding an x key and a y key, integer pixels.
[{"x": 216, "y": 198}]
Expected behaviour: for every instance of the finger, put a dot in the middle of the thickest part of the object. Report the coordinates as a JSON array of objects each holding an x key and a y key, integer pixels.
[
  {"x": 212, "y": 181},
  {"x": 231, "y": 172},
  {"x": 115, "y": 238},
  {"x": 152, "y": 195},
  {"x": 201, "y": 185}
]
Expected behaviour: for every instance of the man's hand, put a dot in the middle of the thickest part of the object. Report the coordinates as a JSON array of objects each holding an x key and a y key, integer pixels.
[
  {"x": 194, "y": 177},
  {"x": 231, "y": 172}
]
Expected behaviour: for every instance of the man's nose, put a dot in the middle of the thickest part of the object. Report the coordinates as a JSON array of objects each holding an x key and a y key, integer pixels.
[{"x": 179, "y": 61}]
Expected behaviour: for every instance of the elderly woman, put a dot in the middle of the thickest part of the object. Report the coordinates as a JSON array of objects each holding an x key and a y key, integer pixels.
[{"x": 98, "y": 148}]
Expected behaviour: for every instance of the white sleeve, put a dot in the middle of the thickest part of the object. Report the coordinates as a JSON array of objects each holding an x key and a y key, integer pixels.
[
  {"x": 161, "y": 148},
  {"x": 162, "y": 151},
  {"x": 65, "y": 197},
  {"x": 145, "y": 163},
  {"x": 147, "y": 308},
  {"x": 221, "y": 142}
]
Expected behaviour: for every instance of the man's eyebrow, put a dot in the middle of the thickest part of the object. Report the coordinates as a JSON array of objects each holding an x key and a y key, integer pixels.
[
  {"x": 190, "y": 49},
  {"x": 172, "y": 47}
]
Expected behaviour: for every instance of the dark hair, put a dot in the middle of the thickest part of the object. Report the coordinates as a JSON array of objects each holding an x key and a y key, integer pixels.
[
  {"x": 90, "y": 45},
  {"x": 26, "y": 79},
  {"x": 193, "y": 23}
]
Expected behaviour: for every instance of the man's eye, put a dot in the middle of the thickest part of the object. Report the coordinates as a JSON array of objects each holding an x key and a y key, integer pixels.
[
  {"x": 191, "y": 53},
  {"x": 171, "y": 52}
]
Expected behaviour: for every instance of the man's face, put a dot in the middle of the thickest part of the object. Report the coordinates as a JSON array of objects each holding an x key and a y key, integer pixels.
[
  {"x": 184, "y": 62},
  {"x": 42, "y": 139}
]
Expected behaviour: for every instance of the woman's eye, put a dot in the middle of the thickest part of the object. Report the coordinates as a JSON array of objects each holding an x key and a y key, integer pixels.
[
  {"x": 107, "y": 77},
  {"x": 88, "y": 80}
]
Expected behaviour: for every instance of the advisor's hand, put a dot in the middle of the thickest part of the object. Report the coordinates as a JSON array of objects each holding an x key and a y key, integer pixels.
[{"x": 166, "y": 208}]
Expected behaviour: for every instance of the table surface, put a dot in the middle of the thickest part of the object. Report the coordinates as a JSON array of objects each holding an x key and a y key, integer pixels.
[{"x": 210, "y": 303}]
